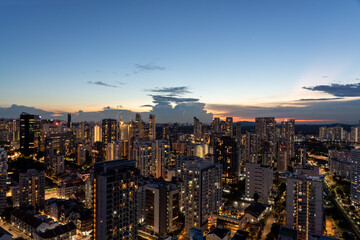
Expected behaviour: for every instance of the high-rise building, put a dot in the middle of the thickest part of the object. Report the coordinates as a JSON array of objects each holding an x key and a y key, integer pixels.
[
  {"x": 162, "y": 202},
  {"x": 238, "y": 130},
  {"x": 161, "y": 158},
  {"x": 69, "y": 120},
  {"x": 109, "y": 134},
  {"x": 142, "y": 153},
  {"x": 58, "y": 164},
  {"x": 3, "y": 178},
  {"x": 152, "y": 127},
  {"x": 251, "y": 149},
  {"x": 115, "y": 201},
  {"x": 283, "y": 156},
  {"x": 304, "y": 204},
  {"x": 166, "y": 132},
  {"x": 229, "y": 126},
  {"x": 32, "y": 188},
  {"x": 29, "y": 133},
  {"x": 355, "y": 176},
  {"x": 259, "y": 182},
  {"x": 216, "y": 125},
  {"x": 265, "y": 129},
  {"x": 354, "y": 134},
  {"x": 80, "y": 154},
  {"x": 340, "y": 163},
  {"x": 203, "y": 192},
  {"x": 288, "y": 135},
  {"x": 226, "y": 154},
  {"x": 197, "y": 128},
  {"x": 96, "y": 134}
]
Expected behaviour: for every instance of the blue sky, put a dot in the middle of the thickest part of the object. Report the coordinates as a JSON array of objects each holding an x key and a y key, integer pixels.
[{"x": 85, "y": 55}]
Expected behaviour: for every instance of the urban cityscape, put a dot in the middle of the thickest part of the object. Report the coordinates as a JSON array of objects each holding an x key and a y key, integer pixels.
[{"x": 180, "y": 120}]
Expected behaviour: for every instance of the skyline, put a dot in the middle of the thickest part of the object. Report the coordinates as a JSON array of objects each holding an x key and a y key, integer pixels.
[{"x": 242, "y": 59}]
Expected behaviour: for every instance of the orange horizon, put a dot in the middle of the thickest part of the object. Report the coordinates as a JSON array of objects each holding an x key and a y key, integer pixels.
[{"x": 242, "y": 119}]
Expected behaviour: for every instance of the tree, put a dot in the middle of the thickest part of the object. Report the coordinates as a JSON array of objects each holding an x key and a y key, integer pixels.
[{"x": 256, "y": 197}]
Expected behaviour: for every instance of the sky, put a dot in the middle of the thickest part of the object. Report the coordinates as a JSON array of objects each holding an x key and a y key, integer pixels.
[{"x": 242, "y": 58}]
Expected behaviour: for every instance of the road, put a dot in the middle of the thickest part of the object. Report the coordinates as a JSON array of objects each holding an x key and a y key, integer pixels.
[
  {"x": 269, "y": 222},
  {"x": 14, "y": 231}
]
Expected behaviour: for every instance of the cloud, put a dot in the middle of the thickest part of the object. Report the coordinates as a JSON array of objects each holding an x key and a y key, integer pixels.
[
  {"x": 338, "y": 90},
  {"x": 99, "y": 83},
  {"x": 147, "y": 105},
  {"x": 169, "y": 99},
  {"x": 148, "y": 67},
  {"x": 319, "y": 99},
  {"x": 172, "y": 91},
  {"x": 182, "y": 112}
]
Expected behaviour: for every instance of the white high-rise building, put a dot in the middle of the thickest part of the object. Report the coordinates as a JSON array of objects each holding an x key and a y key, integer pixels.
[
  {"x": 259, "y": 181},
  {"x": 203, "y": 192}
]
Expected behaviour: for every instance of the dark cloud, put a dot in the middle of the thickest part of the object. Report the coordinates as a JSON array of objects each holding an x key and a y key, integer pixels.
[
  {"x": 147, "y": 105},
  {"x": 169, "y": 99},
  {"x": 172, "y": 91},
  {"x": 319, "y": 99},
  {"x": 148, "y": 67},
  {"x": 99, "y": 83},
  {"x": 338, "y": 90}
]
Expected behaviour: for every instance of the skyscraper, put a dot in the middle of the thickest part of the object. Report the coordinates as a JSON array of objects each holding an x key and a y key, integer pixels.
[
  {"x": 229, "y": 126},
  {"x": 288, "y": 135},
  {"x": 152, "y": 127},
  {"x": 69, "y": 120},
  {"x": 115, "y": 202},
  {"x": 304, "y": 204},
  {"x": 29, "y": 133},
  {"x": 203, "y": 192},
  {"x": 197, "y": 128},
  {"x": 265, "y": 129},
  {"x": 226, "y": 154},
  {"x": 109, "y": 134}
]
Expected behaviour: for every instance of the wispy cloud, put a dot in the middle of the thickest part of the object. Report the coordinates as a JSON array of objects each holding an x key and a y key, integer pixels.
[
  {"x": 171, "y": 91},
  {"x": 147, "y": 105},
  {"x": 148, "y": 67},
  {"x": 338, "y": 90},
  {"x": 319, "y": 99},
  {"x": 169, "y": 99},
  {"x": 99, "y": 83}
]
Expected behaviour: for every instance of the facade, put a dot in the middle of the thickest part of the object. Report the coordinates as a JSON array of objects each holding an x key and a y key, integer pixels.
[
  {"x": 152, "y": 127},
  {"x": 115, "y": 202},
  {"x": 265, "y": 130},
  {"x": 197, "y": 128},
  {"x": 355, "y": 176},
  {"x": 226, "y": 153},
  {"x": 304, "y": 204},
  {"x": 162, "y": 202},
  {"x": 340, "y": 163},
  {"x": 29, "y": 133},
  {"x": 288, "y": 135},
  {"x": 259, "y": 181},
  {"x": 203, "y": 192},
  {"x": 3, "y": 178},
  {"x": 32, "y": 188},
  {"x": 109, "y": 134}
]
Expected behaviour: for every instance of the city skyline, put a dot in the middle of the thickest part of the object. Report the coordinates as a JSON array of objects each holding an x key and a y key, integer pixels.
[{"x": 289, "y": 60}]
